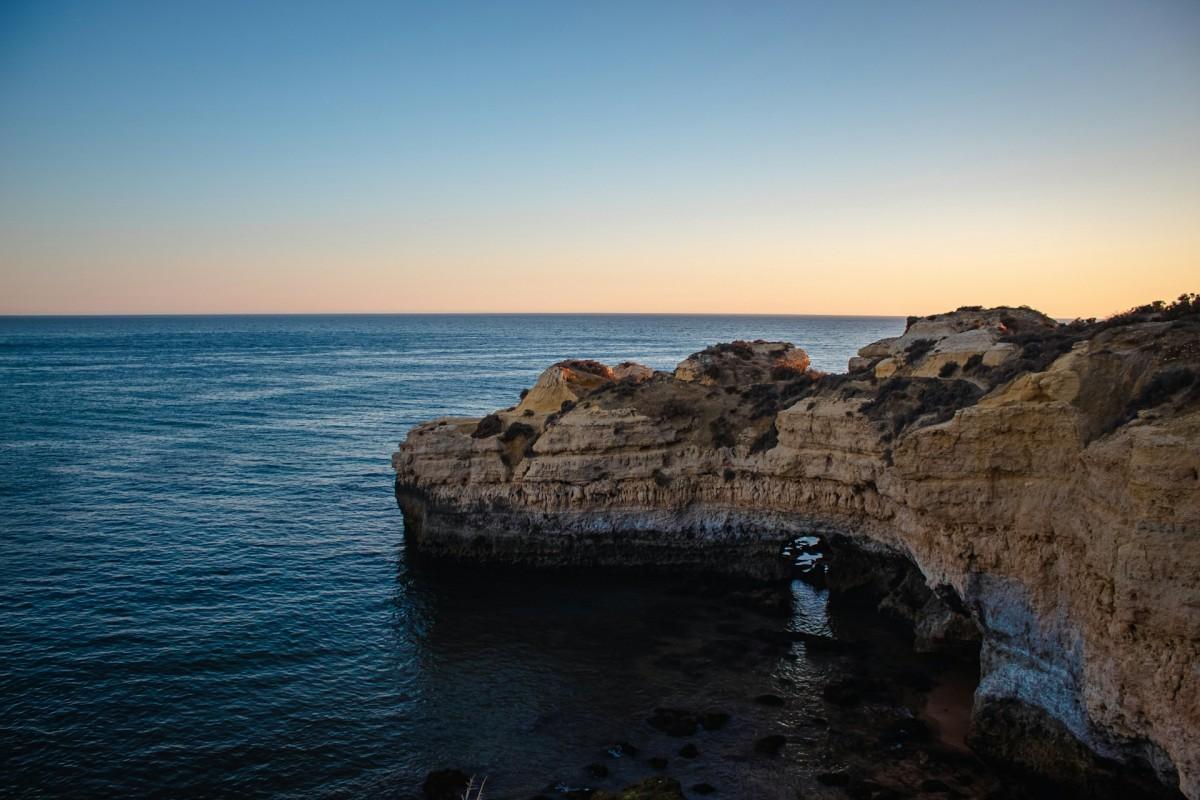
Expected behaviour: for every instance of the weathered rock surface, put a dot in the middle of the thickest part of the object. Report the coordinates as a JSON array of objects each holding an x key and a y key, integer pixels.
[
  {"x": 742, "y": 363},
  {"x": 1047, "y": 485},
  {"x": 649, "y": 789},
  {"x": 565, "y": 382}
]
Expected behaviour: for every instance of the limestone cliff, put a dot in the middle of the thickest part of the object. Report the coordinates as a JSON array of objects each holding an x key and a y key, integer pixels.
[{"x": 1043, "y": 478}]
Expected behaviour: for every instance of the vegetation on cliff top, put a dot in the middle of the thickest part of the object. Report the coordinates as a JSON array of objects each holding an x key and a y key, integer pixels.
[{"x": 718, "y": 416}]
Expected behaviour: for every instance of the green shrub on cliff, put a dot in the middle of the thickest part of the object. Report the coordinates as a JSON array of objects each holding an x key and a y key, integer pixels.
[
  {"x": 901, "y": 403},
  {"x": 723, "y": 434},
  {"x": 765, "y": 441},
  {"x": 917, "y": 350},
  {"x": 518, "y": 430},
  {"x": 1161, "y": 388},
  {"x": 674, "y": 409},
  {"x": 488, "y": 426}
]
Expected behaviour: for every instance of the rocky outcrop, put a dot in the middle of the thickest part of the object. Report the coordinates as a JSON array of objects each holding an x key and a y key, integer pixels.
[
  {"x": 1044, "y": 479},
  {"x": 944, "y": 343},
  {"x": 743, "y": 363},
  {"x": 565, "y": 382}
]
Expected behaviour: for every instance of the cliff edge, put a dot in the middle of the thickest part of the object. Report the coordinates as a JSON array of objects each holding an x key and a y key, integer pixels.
[{"x": 1044, "y": 479}]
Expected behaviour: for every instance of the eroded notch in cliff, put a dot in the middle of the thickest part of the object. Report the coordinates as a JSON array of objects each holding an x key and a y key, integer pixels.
[{"x": 878, "y": 582}]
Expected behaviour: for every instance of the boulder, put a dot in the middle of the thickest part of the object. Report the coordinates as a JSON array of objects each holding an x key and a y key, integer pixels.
[
  {"x": 649, "y": 789},
  {"x": 565, "y": 382}
]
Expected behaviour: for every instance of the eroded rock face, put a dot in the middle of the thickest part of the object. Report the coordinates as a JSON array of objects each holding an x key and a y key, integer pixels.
[
  {"x": 944, "y": 345},
  {"x": 565, "y": 382},
  {"x": 1048, "y": 484}
]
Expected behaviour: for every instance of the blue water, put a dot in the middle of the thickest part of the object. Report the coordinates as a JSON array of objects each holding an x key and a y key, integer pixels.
[{"x": 203, "y": 586}]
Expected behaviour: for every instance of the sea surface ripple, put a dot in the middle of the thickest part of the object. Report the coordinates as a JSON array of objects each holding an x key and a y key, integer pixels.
[{"x": 205, "y": 591}]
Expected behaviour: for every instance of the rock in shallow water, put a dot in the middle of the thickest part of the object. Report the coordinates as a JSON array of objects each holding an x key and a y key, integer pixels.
[
  {"x": 833, "y": 778},
  {"x": 445, "y": 784},
  {"x": 714, "y": 720},
  {"x": 674, "y": 722},
  {"x": 622, "y": 750},
  {"x": 649, "y": 789},
  {"x": 770, "y": 745}
]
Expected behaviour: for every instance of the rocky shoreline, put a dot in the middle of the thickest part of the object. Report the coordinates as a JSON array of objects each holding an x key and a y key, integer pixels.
[{"x": 1041, "y": 481}]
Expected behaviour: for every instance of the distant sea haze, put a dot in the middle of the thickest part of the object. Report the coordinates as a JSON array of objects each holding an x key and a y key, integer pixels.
[{"x": 205, "y": 590}]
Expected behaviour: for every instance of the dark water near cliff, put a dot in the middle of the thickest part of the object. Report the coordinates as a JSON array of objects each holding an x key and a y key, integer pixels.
[{"x": 204, "y": 590}]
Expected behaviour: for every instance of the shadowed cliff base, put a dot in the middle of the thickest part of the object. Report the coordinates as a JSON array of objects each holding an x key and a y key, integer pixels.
[{"x": 1043, "y": 478}]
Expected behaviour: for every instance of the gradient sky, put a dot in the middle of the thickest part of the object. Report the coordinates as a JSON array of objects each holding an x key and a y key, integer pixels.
[{"x": 891, "y": 157}]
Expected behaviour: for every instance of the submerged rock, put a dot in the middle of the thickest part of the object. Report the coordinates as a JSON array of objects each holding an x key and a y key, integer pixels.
[
  {"x": 445, "y": 784},
  {"x": 854, "y": 690},
  {"x": 770, "y": 745},
  {"x": 674, "y": 722},
  {"x": 834, "y": 778},
  {"x": 649, "y": 789},
  {"x": 622, "y": 750}
]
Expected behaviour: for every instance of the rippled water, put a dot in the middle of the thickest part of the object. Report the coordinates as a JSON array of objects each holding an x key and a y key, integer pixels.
[{"x": 205, "y": 590}]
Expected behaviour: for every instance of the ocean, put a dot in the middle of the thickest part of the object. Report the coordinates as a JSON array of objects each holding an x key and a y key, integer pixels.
[{"x": 205, "y": 590}]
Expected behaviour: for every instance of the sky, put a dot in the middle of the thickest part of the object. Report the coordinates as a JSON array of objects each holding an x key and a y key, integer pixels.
[{"x": 737, "y": 157}]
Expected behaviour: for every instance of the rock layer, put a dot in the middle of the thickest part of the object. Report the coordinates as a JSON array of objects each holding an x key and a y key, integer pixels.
[{"x": 1044, "y": 479}]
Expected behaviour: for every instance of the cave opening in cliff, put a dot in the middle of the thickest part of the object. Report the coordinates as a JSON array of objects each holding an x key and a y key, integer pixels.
[{"x": 867, "y": 593}]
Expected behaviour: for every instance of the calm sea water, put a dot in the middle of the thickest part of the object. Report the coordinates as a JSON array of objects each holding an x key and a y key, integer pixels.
[{"x": 204, "y": 589}]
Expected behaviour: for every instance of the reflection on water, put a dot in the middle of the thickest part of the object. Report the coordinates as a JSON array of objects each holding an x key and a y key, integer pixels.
[{"x": 530, "y": 677}]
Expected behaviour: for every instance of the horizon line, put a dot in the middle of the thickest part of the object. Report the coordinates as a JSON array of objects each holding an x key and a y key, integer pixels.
[{"x": 61, "y": 315}]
